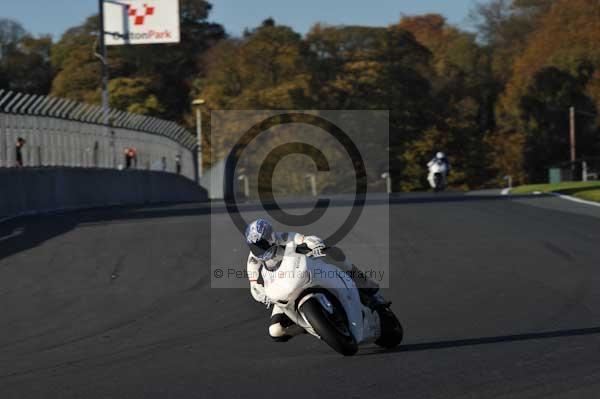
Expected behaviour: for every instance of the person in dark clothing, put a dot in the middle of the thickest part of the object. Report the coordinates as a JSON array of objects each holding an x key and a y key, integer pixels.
[
  {"x": 19, "y": 154},
  {"x": 130, "y": 157},
  {"x": 127, "y": 158},
  {"x": 133, "y": 155},
  {"x": 178, "y": 164}
]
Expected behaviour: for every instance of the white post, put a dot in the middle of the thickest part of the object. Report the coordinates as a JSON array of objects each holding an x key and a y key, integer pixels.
[
  {"x": 199, "y": 138},
  {"x": 584, "y": 175},
  {"x": 198, "y": 103},
  {"x": 313, "y": 184},
  {"x": 104, "y": 60},
  {"x": 246, "y": 185},
  {"x": 572, "y": 133},
  {"x": 388, "y": 181}
]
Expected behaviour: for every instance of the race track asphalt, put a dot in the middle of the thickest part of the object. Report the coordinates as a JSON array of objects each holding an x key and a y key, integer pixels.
[{"x": 499, "y": 297}]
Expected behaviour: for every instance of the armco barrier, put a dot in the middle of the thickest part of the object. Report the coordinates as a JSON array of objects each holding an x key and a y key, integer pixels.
[{"x": 26, "y": 191}]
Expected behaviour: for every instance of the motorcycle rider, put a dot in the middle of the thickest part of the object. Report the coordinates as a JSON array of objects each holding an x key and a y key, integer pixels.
[
  {"x": 266, "y": 250},
  {"x": 439, "y": 159}
]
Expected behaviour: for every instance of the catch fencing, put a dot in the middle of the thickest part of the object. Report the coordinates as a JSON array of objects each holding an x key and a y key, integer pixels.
[{"x": 60, "y": 132}]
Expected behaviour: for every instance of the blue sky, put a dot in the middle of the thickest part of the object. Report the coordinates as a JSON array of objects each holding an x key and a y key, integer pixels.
[{"x": 55, "y": 16}]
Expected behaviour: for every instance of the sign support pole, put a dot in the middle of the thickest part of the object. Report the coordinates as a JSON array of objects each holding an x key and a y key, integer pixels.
[{"x": 104, "y": 60}]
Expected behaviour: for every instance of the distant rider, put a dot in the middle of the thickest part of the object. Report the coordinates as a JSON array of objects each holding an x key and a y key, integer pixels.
[
  {"x": 266, "y": 250},
  {"x": 439, "y": 159}
]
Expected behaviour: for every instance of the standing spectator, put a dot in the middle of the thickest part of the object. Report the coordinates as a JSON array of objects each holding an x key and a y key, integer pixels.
[
  {"x": 133, "y": 155},
  {"x": 96, "y": 154},
  {"x": 178, "y": 164},
  {"x": 163, "y": 161},
  {"x": 130, "y": 157},
  {"x": 19, "y": 146},
  {"x": 127, "y": 158}
]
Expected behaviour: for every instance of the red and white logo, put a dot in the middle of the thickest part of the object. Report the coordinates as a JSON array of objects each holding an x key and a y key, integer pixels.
[
  {"x": 141, "y": 21},
  {"x": 139, "y": 16}
]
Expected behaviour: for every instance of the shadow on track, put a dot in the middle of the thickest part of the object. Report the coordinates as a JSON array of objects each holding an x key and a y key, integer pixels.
[
  {"x": 23, "y": 233},
  {"x": 486, "y": 340}
]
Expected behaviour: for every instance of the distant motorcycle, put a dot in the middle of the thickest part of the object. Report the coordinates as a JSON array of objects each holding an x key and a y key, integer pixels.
[
  {"x": 437, "y": 176},
  {"x": 324, "y": 300}
]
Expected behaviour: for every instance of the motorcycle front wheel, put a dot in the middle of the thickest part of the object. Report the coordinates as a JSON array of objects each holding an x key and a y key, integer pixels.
[{"x": 332, "y": 328}]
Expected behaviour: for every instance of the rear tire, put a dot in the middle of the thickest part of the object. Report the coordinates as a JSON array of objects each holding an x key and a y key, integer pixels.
[
  {"x": 439, "y": 183},
  {"x": 332, "y": 328},
  {"x": 391, "y": 329}
]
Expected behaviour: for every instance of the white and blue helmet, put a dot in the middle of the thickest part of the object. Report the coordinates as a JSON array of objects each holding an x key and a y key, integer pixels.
[{"x": 260, "y": 239}]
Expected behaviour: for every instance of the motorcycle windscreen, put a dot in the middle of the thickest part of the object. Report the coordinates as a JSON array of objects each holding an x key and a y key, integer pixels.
[{"x": 262, "y": 249}]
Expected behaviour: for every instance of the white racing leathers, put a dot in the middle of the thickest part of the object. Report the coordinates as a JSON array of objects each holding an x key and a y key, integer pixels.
[
  {"x": 281, "y": 327},
  {"x": 437, "y": 167}
]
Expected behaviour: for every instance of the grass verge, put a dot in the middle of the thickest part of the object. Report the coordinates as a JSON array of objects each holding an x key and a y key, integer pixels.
[{"x": 585, "y": 190}]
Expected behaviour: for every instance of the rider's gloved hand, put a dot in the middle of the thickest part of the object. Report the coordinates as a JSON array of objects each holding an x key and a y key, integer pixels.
[{"x": 314, "y": 243}]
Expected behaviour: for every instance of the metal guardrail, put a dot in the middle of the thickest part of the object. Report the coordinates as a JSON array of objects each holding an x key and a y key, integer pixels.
[{"x": 60, "y": 132}]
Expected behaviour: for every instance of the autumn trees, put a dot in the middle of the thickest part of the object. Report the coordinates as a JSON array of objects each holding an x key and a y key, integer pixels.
[
  {"x": 558, "y": 67},
  {"x": 495, "y": 99},
  {"x": 153, "y": 80},
  {"x": 24, "y": 59}
]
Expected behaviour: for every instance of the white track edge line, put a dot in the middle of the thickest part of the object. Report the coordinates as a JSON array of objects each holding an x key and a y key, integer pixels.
[{"x": 575, "y": 199}]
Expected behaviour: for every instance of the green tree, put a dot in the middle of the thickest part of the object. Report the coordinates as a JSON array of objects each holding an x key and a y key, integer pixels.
[
  {"x": 24, "y": 59},
  {"x": 566, "y": 37},
  {"x": 133, "y": 95},
  {"x": 461, "y": 104},
  {"x": 173, "y": 67},
  {"x": 375, "y": 68},
  {"x": 169, "y": 68},
  {"x": 544, "y": 114},
  {"x": 265, "y": 69},
  {"x": 78, "y": 69},
  {"x": 11, "y": 32}
]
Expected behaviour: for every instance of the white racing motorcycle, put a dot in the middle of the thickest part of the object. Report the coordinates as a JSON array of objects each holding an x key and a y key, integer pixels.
[
  {"x": 437, "y": 176},
  {"x": 324, "y": 300}
]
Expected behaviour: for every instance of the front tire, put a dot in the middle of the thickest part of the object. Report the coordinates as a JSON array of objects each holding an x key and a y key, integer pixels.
[{"x": 332, "y": 328}]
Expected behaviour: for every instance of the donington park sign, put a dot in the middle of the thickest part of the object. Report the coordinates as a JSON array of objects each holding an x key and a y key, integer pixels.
[{"x": 141, "y": 21}]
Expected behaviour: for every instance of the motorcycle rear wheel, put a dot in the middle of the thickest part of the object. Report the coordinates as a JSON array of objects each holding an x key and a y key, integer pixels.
[
  {"x": 391, "y": 329},
  {"x": 439, "y": 183},
  {"x": 332, "y": 328}
]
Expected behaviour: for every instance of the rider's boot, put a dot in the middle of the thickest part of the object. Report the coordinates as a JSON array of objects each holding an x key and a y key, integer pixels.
[{"x": 282, "y": 328}]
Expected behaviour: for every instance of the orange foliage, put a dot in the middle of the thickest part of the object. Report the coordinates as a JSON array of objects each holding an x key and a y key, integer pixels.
[
  {"x": 566, "y": 36},
  {"x": 506, "y": 156},
  {"x": 432, "y": 31}
]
